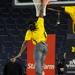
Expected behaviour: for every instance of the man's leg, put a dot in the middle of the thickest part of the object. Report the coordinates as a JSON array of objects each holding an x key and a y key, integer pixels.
[
  {"x": 44, "y": 53},
  {"x": 37, "y": 57},
  {"x": 40, "y": 54}
]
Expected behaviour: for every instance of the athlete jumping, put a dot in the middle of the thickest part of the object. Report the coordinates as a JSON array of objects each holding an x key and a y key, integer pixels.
[{"x": 37, "y": 33}]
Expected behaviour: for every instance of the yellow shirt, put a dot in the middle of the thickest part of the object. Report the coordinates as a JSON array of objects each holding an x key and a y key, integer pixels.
[
  {"x": 71, "y": 11},
  {"x": 39, "y": 34}
]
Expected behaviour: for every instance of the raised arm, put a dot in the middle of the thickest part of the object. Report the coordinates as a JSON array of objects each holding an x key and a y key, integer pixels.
[{"x": 43, "y": 8}]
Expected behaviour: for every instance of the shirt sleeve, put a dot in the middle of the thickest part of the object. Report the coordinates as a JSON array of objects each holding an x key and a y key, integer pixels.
[
  {"x": 40, "y": 23},
  {"x": 28, "y": 35},
  {"x": 40, "y": 19}
]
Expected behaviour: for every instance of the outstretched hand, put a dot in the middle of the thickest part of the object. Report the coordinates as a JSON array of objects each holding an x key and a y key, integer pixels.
[{"x": 13, "y": 59}]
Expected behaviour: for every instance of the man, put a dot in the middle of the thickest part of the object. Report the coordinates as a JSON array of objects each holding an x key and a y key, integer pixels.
[{"x": 37, "y": 34}]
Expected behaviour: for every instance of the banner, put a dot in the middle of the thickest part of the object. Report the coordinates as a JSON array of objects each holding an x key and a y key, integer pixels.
[{"x": 49, "y": 66}]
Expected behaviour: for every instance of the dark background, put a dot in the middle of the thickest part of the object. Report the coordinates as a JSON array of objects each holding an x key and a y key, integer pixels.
[{"x": 13, "y": 25}]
